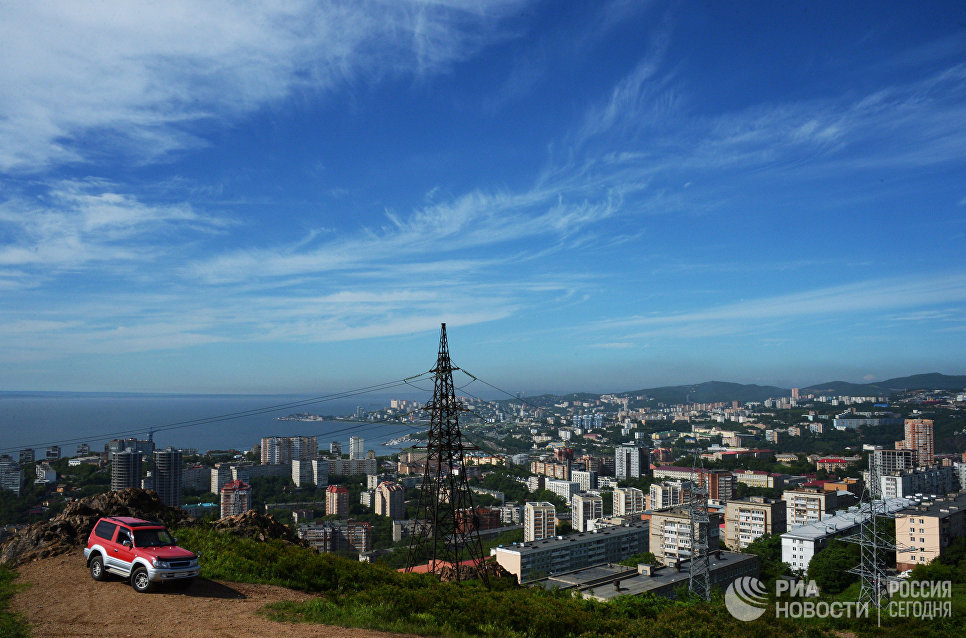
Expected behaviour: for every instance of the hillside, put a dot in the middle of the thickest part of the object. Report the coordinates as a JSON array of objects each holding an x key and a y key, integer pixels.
[
  {"x": 929, "y": 381},
  {"x": 724, "y": 391},
  {"x": 61, "y": 599},
  {"x": 711, "y": 392}
]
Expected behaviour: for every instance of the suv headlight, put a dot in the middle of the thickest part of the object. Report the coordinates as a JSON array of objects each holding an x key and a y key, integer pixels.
[{"x": 162, "y": 564}]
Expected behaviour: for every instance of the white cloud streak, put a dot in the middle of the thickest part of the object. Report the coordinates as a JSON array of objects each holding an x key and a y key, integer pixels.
[
  {"x": 860, "y": 299},
  {"x": 146, "y": 74}
]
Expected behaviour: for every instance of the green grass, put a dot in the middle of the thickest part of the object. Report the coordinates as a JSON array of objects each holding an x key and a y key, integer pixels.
[
  {"x": 374, "y": 597},
  {"x": 352, "y": 594},
  {"x": 12, "y": 625}
]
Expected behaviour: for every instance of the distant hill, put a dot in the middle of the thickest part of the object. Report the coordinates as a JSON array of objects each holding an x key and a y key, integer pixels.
[
  {"x": 723, "y": 391},
  {"x": 711, "y": 392},
  {"x": 930, "y": 381}
]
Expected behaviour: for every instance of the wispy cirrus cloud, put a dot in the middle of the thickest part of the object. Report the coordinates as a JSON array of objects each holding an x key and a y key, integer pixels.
[
  {"x": 77, "y": 224},
  {"x": 141, "y": 76},
  {"x": 865, "y": 299}
]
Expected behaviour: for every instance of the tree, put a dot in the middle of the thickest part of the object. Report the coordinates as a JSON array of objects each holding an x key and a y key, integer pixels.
[
  {"x": 829, "y": 567},
  {"x": 768, "y": 549}
]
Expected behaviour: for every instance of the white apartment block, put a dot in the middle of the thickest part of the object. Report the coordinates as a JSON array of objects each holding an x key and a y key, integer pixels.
[
  {"x": 539, "y": 521},
  {"x": 564, "y": 489},
  {"x": 584, "y": 509},
  {"x": 628, "y": 500}
]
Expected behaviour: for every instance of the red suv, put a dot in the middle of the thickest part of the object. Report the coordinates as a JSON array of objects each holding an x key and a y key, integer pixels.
[{"x": 140, "y": 550}]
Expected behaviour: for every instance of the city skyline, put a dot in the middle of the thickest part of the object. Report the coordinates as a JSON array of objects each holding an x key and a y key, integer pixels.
[{"x": 597, "y": 197}]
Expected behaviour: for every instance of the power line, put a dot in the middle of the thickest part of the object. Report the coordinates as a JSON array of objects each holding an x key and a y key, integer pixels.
[{"x": 227, "y": 416}]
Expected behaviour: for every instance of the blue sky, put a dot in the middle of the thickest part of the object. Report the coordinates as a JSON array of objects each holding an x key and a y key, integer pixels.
[{"x": 290, "y": 197}]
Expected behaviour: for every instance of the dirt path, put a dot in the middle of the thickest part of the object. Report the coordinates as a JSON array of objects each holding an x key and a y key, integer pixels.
[{"x": 63, "y": 600}]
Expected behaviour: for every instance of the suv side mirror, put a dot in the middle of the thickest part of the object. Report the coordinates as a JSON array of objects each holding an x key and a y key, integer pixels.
[
  {"x": 126, "y": 543},
  {"x": 174, "y": 539}
]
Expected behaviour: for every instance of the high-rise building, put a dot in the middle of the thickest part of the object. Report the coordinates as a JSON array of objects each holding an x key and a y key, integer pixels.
[
  {"x": 236, "y": 498},
  {"x": 891, "y": 461},
  {"x": 631, "y": 461},
  {"x": 27, "y": 455},
  {"x": 83, "y": 449},
  {"x": 315, "y": 471},
  {"x": 583, "y": 509},
  {"x": 53, "y": 452},
  {"x": 587, "y": 480},
  {"x": 167, "y": 476},
  {"x": 357, "y": 448},
  {"x": 919, "y": 439},
  {"x": 391, "y": 500},
  {"x": 282, "y": 450},
  {"x": 337, "y": 501},
  {"x": 747, "y": 521},
  {"x": 628, "y": 500},
  {"x": 11, "y": 476},
  {"x": 335, "y": 447},
  {"x": 125, "y": 469},
  {"x": 538, "y": 521}
]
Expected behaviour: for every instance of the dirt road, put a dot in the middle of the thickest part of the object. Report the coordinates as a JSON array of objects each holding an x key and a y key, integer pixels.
[{"x": 63, "y": 600}]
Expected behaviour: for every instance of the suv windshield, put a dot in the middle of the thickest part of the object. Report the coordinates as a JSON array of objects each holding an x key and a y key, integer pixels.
[{"x": 152, "y": 538}]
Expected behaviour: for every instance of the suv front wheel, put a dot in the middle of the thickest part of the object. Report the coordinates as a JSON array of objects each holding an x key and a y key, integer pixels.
[
  {"x": 97, "y": 568},
  {"x": 140, "y": 581}
]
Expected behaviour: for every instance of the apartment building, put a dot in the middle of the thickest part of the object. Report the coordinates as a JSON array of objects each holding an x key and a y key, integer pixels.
[
  {"x": 236, "y": 498},
  {"x": 583, "y": 509},
  {"x": 631, "y": 461},
  {"x": 530, "y": 561},
  {"x": 928, "y": 528},
  {"x": 808, "y": 505},
  {"x": 628, "y": 500},
  {"x": 167, "y": 476},
  {"x": 285, "y": 449},
  {"x": 390, "y": 500},
  {"x": 671, "y": 534},
  {"x": 749, "y": 520},
  {"x": 337, "y": 501},
  {"x": 925, "y": 480},
  {"x": 538, "y": 521},
  {"x": 919, "y": 439},
  {"x": 801, "y": 543},
  {"x": 665, "y": 495}
]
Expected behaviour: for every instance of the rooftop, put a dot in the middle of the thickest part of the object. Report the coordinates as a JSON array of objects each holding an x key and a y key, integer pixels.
[
  {"x": 597, "y": 535},
  {"x": 941, "y": 507}
]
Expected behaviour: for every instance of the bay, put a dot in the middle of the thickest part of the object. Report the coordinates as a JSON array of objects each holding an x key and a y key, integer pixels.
[{"x": 40, "y": 419}]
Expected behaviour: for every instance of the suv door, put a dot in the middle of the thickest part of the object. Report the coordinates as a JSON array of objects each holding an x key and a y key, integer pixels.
[{"x": 123, "y": 549}]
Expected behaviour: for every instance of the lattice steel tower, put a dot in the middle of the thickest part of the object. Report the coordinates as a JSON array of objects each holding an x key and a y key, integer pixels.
[
  {"x": 446, "y": 525},
  {"x": 875, "y": 544},
  {"x": 699, "y": 567}
]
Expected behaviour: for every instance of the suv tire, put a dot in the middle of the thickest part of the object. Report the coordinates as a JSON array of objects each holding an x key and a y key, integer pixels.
[
  {"x": 140, "y": 581},
  {"x": 97, "y": 568}
]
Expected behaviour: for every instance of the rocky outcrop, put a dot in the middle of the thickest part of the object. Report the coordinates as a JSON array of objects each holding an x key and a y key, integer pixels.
[
  {"x": 68, "y": 531},
  {"x": 494, "y": 571},
  {"x": 257, "y": 526}
]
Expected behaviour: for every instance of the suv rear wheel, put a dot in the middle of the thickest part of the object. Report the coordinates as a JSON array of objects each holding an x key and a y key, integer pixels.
[
  {"x": 140, "y": 581},
  {"x": 97, "y": 568}
]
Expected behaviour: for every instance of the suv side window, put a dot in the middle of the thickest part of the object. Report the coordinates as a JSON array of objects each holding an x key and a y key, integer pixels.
[
  {"x": 105, "y": 530},
  {"x": 124, "y": 534}
]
